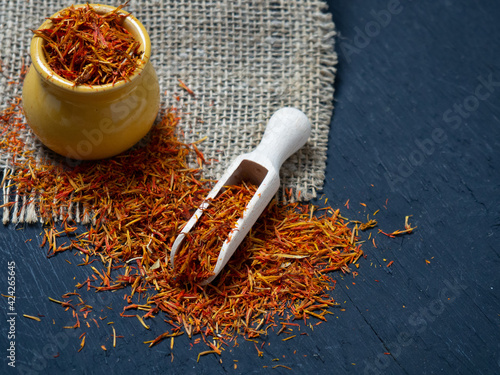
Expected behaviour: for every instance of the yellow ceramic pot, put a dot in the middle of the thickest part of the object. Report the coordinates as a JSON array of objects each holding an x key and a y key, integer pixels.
[{"x": 91, "y": 122}]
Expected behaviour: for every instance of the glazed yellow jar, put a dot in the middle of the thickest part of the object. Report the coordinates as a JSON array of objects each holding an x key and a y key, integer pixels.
[{"x": 91, "y": 122}]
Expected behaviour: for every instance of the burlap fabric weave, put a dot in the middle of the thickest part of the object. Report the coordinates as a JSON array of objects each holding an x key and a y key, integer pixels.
[{"x": 243, "y": 59}]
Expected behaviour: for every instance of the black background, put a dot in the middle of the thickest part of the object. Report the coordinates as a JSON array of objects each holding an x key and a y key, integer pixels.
[{"x": 415, "y": 131}]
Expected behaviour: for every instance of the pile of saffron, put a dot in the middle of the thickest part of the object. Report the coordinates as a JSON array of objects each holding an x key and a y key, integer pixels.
[
  {"x": 86, "y": 47},
  {"x": 137, "y": 202},
  {"x": 198, "y": 254}
]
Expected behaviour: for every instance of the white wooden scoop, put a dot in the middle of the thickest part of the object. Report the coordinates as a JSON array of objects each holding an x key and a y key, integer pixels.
[{"x": 286, "y": 132}]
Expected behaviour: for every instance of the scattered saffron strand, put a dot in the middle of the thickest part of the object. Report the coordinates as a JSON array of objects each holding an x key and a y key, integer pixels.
[
  {"x": 184, "y": 87},
  {"x": 82, "y": 343},
  {"x": 205, "y": 353},
  {"x": 369, "y": 224},
  {"x": 276, "y": 366},
  {"x": 32, "y": 317}
]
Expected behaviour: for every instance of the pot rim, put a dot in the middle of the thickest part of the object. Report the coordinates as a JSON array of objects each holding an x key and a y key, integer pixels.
[{"x": 45, "y": 71}]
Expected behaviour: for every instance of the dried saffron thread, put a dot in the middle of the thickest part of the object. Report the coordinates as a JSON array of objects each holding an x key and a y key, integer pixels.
[
  {"x": 198, "y": 255},
  {"x": 138, "y": 202},
  {"x": 85, "y": 47}
]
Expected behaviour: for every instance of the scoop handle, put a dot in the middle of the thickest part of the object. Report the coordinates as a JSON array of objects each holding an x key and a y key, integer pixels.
[{"x": 287, "y": 131}]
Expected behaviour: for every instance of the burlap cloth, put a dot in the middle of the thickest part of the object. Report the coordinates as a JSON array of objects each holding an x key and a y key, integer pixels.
[{"x": 243, "y": 59}]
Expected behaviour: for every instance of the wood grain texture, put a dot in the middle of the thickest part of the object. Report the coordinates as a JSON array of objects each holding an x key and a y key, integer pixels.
[{"x": 416, "y": 131}]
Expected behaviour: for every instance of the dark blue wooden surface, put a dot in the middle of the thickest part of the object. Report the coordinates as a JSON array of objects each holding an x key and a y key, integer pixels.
[{"x": 416, "y": 131}]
